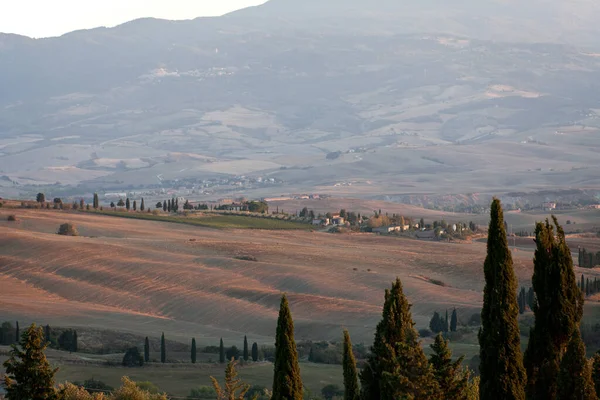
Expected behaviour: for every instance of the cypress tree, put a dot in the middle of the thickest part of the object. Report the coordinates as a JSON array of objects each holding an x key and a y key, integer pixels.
[
  {"x": 596, "y": 372},
  {"x": 163, "y": 350},
  {"x": 446, "y": 322},
  {"x": 452, "y": 381},
  {"x": 127, "y": 204},
  {"x": 146, "y": 350},
  {"x": 96, "y": 202},
  {"x": 501, "y": 365},
  {"x": 575, "y": 376},
  {"x": 47, "y": 333},
  {"x": 558, "y": 309},
  {"x": 582, "y": 286},
  {"x": 169, "y": 206},
  {"x": 351, "y": 389},
  {"x": 221, "y": 352},
  {"x": 254, "y": 352},
  {"x": 17, "y": 333},
  {"x": 164, "y": 206},
  {"x": 397, "y": 367},
  {"x": 287, "y": 383},
  {"x": 454, "y": 321},
  {"x": 28, "y": 373},
  {"x": 74, "y": 345},
  {"x": 246, "y": 355},
  {"x": 135, "y": 205},
  {"x": 142, "y": 206},
  {"x": 193, "y": 351}
]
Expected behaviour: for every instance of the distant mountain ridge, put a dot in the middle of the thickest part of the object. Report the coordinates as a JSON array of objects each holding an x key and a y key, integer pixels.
[{"x": 414, "y": 96}]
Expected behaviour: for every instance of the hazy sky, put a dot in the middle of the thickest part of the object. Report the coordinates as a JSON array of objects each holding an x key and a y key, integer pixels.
[{"x": 43, "y": 18}]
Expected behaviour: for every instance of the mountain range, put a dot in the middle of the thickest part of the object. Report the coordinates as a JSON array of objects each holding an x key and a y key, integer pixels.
[{"x": 362, "y": 98}]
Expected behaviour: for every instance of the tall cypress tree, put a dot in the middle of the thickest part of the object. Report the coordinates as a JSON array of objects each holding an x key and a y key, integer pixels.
[
  {"x": 221, "y": 352},
  {"x": 163, "y": 349},
  {"x": 446, "y": 322},
  {"x": 146, "y": 350},
  {"x": 351, "y": 389},
  {"x": 254, "y": 351},
  {"x": 47, "y": 333},
  {"x": 127, "y": 204},
  {"x": 454, "y": 321},
  {"x": 193, "y": 351},
  {"x": 501, "y": 365},
  {"x": 164, "y": 206},
  {"x": 17, "y": 333},
  {"x": 596, "y": 372},
  {"x": 287, "y": 383},
  {"x": 558, "y": 310},
  {"x": 452, "y": 380},
  {"x": 397, "y": 367},
  {"x": 575, "y": 376},
  {"x": 96, "y": 202},
  {"x": 246, "y": 355},
  {"x": 74, "y": 345},
  {"x": 142, "y": 206}
]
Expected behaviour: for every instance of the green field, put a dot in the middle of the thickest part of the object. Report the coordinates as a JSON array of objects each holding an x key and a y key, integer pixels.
[
  {"x": 179, "y": 379},
  {"x": 217, "y": 221}
]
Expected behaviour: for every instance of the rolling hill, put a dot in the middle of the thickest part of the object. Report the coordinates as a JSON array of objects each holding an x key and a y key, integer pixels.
[{"x": 346, "y": 98}]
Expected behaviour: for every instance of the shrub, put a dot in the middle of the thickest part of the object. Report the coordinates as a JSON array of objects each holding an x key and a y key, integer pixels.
[
  {"x": 12, "y": 218},
  {"x": 202, "y": 392},
  {"x": 94, "y": 386},
  {"x": 424, "y": 332},
  {"x": 68, "y": 230},
  {"x": 246, "y": 258},
  {"x": 133, "y": 358},
  {"x": 437, "y": 282}
]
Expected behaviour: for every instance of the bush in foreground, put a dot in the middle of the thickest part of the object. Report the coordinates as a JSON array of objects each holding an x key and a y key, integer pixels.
[
  {"x": 68, "y": 230},
  {"x": 12, "y": 218}
]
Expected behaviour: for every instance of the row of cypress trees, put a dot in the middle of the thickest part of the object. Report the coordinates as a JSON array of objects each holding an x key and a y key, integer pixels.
[{"x": 554, "y": 365}]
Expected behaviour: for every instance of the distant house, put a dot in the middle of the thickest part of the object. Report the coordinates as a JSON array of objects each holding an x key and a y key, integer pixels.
[
  {"x": 337, "y": 220},
  {"x": 549, "y": 206},
  {"x": 596, "y": 206}
]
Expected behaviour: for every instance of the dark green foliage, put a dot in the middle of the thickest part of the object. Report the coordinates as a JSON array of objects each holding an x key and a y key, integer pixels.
[
  {"x": 7, "y": 334},
  {"x": 159, "y": 205},
  {"x": 135, "y": 205},
  {"x": 96, "y": 202},
  {"x": 47, "y": 333},
  {"x": 530, "y": 298},
  {"x": 522, "y": 300},
  {"x": 596, "y": 372},
  {"x": 575, "y": 376},
  {"x": 17, "y": 333},
  {"x": 446, "y": 323},
  {"x": 127, "y": 204},
  {"x": 351, "y": 388},
  {"x": 558, "y": 310},
  {"x": 164, "y": 207},
  {"x": 112, "y": 204},
  {"x": 246, "y": 353},
  {"x": 68, "y": 340},
  {"x": 40, "y": 198},
  {"x": 221, "y": 352},
  {"x": 436, "y": 324},
  {"x": 142, "y": 206},
  {"x": 501, "y": 368},
  {"x": 193, "y": 351},
  {"x": 287, "y": 383},
  {"x": 254, "y": 351},
  {"x": 163, "y": 349},
  {"x": 146, "y": 349},
  {"x": 330, "y": 391},
  {"x": 133, "y": 358},
  {"x": 28, "y": 373},
  {"x": 232, "y": 353},
  {"x": 454, "y": 321},
  {"x": 397, "y": 368},
  {"x": 453, "y": 382}
]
